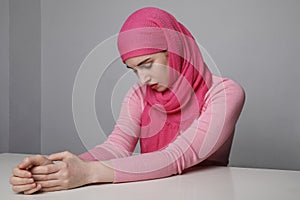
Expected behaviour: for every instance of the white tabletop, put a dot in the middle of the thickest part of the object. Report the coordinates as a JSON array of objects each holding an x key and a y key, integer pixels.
[{"x": 199, "y": 183}]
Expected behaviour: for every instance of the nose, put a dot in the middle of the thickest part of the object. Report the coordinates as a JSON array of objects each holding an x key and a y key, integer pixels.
[{"x": 144, "y": 78}]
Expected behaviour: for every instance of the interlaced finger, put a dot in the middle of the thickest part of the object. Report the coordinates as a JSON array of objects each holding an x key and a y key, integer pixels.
[
  {"x": 46, "y": 169},
  {"x": 43, "y": 177},
  {"x": 37, "y": 188},
  {"x": 21, "y": 188},
  {"x": 21, "y": 173},
  {"x": 50, "y": 183},
  {"x": 20, "y": 181}
]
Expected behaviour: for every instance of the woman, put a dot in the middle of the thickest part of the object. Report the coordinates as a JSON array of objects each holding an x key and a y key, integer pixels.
[{"x": 181, "y": 113}]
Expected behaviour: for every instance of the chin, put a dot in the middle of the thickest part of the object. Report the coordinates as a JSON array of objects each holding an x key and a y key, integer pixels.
[{"x": 161, "y": 89}]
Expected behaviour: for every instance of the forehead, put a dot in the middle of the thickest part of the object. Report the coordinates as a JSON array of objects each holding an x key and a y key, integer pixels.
[{"x": 134, "y": 61}]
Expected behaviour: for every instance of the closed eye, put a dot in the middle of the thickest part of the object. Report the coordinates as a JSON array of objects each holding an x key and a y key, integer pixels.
[{"x": 148, "y": 65}]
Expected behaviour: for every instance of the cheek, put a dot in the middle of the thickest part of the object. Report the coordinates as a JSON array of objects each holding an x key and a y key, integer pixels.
[
  {"x": 163, "y": 76},
  {"x": 167, "y": 75},
  {"x": 161, "y": 73}
]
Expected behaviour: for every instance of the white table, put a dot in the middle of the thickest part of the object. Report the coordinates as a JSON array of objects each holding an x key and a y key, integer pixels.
[{"x": 208, "y": 183}]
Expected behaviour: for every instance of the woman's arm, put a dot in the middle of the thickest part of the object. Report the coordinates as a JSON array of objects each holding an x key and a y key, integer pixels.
[
  {"x": 124, "y": 137},
  {"x": 204, "y": 137}
]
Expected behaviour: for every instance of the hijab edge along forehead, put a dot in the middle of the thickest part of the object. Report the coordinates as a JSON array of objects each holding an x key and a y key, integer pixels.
[{"x": 183, "y": 51}]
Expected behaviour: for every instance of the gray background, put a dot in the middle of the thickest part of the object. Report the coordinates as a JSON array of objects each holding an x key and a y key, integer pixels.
[{"x": 44, "y": 42}]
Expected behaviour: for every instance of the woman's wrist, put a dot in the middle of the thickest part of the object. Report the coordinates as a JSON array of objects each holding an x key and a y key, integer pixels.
[{"x": 99, "y": 172}]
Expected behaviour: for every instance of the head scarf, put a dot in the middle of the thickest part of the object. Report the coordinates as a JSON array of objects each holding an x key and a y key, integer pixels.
[{"x": 151, "y": 30}]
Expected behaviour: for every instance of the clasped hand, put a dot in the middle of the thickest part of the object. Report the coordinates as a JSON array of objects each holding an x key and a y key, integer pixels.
[{"x": 58, "y": 171}]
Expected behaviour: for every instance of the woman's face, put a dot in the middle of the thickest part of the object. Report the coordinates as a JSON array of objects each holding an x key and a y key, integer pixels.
[{"x": 151, "y": 69}]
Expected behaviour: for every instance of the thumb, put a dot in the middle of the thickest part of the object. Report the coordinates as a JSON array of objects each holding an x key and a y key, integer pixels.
[
  {"x": 34, "y": 161},
  {"x": 59, "y": 156}
]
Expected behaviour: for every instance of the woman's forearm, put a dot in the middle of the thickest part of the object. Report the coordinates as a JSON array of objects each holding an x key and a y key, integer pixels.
[{"x": 100, "y": 172}]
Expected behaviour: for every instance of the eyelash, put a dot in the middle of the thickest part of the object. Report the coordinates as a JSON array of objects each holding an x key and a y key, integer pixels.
[{"x": 146, "y": 66}]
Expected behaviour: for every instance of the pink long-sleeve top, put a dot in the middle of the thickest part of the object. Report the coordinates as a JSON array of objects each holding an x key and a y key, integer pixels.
[{"x": 207, "y": 140}]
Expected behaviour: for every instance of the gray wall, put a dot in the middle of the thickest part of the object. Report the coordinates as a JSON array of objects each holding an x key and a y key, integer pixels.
[
  {"x": 25, "y": 76},
  {"x": 253, "y": 42},
  {"x": 4, "y": 75}
]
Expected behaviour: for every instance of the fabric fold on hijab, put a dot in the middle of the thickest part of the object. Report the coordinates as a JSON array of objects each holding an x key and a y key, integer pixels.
[{"x": 152, "y": 30}]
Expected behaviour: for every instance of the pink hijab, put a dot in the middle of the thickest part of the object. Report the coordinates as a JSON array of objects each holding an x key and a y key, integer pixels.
[{"x": 166, "y": 114}]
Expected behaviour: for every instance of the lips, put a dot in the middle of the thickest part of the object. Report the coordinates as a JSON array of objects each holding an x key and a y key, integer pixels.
[{"x": 154, "y": 86}]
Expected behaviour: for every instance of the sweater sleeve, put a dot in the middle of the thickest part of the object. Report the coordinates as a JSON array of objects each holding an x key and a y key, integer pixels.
[
  {"x": 223, "y": 105},
  {"x": 124, "y": 137}
]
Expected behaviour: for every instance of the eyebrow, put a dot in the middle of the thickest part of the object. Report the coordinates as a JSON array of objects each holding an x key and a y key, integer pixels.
[{"x": 144, "y": 61}]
